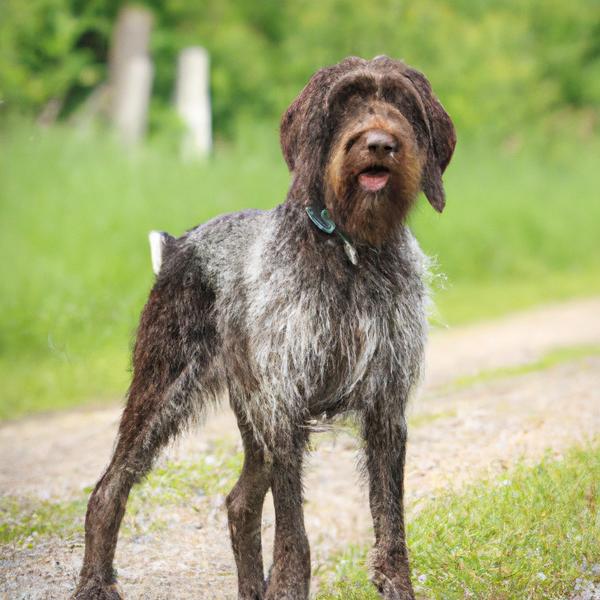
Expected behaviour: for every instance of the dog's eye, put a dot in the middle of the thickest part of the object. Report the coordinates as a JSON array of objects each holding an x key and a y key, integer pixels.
[{"x": 351, "y": 143}]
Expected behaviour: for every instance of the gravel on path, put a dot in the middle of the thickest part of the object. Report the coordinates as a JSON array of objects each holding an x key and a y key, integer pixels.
[{"x": 457, "y": 436}]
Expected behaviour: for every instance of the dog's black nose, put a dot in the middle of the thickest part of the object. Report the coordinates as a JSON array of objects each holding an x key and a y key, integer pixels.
[{"x": 381, "y": 142}]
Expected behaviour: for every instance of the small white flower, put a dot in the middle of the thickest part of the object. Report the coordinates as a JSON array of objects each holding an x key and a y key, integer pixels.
[
  {"x": 541, "y": 576},
  {"x": 422, "y": 578}
]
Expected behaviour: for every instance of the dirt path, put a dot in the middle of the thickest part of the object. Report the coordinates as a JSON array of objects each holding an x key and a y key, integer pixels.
[{"x": 455, "y": 436}]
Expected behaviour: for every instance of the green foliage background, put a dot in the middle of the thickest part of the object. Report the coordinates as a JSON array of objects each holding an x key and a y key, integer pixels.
[
  {"x": 521, "y": 79},
  {"x": 497, "y": 64}
]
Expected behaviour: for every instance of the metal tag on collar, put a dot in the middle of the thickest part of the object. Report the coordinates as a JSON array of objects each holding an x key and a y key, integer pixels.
[
  {"x": 349, "y": 249},
  {"x": 322, "y": 221},
  {"x": 350, "y": 252}
]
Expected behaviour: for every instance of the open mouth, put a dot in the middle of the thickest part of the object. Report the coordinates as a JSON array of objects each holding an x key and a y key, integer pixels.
[{"x": 374, "y": 179}]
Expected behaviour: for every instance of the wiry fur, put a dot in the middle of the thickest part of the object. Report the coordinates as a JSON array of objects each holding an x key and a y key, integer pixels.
[{"x": 269, "y": 308}]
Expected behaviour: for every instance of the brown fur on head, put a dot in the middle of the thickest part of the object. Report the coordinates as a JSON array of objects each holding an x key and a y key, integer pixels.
[
  {"x": 354, "y": 167},
  {"x": 327, "y": 135}
]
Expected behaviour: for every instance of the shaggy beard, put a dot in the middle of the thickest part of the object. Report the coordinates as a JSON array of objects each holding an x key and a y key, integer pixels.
[{"x": 370, "y": 217}]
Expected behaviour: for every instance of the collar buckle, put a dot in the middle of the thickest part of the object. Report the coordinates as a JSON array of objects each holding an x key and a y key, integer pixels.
[
  {"x": 325, "y": 223},
  {"x": 322, "y": 221}
]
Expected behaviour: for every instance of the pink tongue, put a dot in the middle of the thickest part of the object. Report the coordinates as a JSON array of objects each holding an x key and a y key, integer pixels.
[{"x": 373, "y": 181}]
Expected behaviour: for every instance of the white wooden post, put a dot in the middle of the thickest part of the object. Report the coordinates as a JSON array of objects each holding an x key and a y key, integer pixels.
[
  {"x": 192, "y": 101},
  {"x": 131, "y": 73},
  {"x": 130, "y": 106}
]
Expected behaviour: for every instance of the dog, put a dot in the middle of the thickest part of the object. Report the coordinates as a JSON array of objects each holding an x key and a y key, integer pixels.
[{"x": 313, "y": 309}]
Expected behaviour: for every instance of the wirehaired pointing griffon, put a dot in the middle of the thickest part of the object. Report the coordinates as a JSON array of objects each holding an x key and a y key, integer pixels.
[{"x": 313, "y": 309}]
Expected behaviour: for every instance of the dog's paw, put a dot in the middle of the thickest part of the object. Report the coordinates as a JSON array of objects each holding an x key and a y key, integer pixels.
[{"x": 95, "y": 590}]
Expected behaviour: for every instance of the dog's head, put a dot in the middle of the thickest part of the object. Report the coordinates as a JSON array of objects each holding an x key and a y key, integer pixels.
[{"x": 363, "y": 138}]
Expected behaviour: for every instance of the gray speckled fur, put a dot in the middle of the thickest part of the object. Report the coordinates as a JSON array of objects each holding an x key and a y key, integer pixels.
[{"x": 314, "y": 344}]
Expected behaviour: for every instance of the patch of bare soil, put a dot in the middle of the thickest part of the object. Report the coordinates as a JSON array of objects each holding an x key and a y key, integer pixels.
[{"x": 456, "y": 436}]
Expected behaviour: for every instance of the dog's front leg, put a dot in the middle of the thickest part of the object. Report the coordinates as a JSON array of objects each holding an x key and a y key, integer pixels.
[
  {"x": 244, "y": 508},
  {"x": 385, "y": 441},
  {"x": 289, "y": 578}
]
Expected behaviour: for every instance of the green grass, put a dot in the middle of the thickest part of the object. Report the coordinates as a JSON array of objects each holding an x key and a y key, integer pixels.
[
  {"x": 547, "y": 361},
  {"x": 518, "y": 229},
  {"x": 427, "y": 418},
  {"x": 23, "y": 521},
  {"x": 525, "y": 535},
  {"x": 463, "y": 301}
]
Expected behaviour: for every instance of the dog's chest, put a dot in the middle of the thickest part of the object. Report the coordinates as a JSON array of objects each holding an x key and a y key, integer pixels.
[{"x": 328, "y": 342}]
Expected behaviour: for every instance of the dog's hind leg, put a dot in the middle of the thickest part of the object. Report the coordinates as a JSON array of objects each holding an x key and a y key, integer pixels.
[
  {"x": 175, "y": 374},
  {"x": 385, "y": 440},
  {"x": 244, "y": 509},
  {"x": 289, "y": 578},
  {"x": 141, "y": 435}
]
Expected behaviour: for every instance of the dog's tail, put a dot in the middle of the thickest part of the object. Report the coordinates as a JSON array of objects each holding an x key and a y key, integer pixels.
[{"x": 161, "y": 244}]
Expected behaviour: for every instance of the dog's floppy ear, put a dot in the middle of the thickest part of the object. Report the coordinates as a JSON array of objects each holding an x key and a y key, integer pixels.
[
  {"x": 295, "y": 116},
  {"x": 441, "y": 143},
  {"x": 288, "y": 132}
]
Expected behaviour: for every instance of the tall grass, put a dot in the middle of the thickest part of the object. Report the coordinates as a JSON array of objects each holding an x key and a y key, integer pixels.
[{"x": 75, "y": 210}]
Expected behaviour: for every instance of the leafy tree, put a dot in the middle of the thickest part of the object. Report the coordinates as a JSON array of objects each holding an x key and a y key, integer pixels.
[{"x": 496, "y": 64}]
